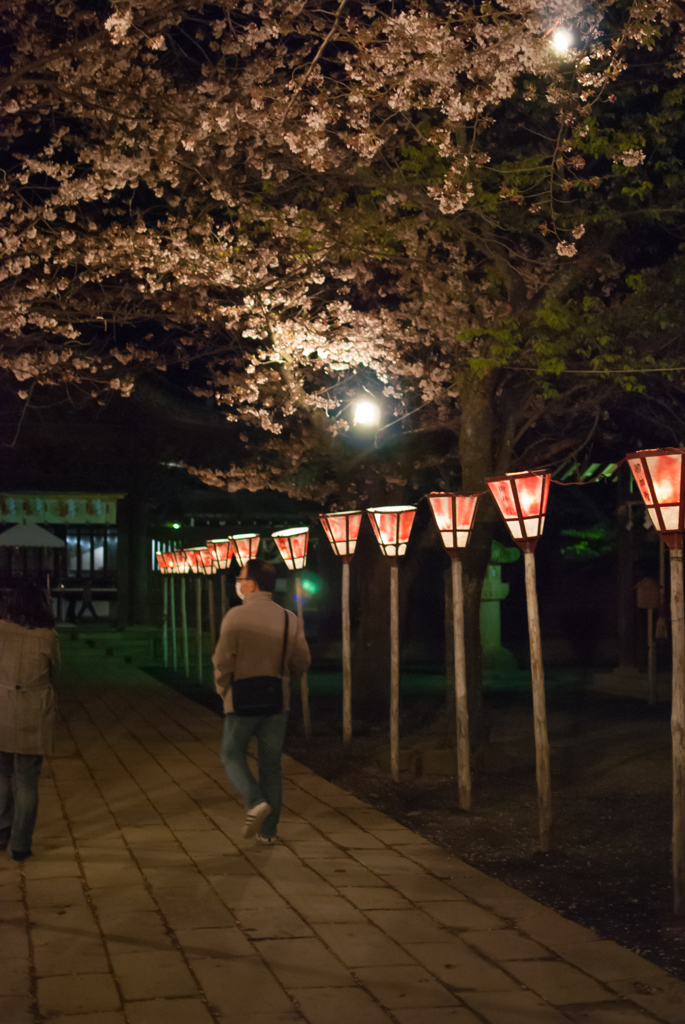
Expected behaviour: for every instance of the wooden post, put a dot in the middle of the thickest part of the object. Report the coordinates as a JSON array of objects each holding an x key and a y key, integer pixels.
[
  {"x": 346, "y": 655},
  {"x": 174, "y": 637},
  {"x": 461, "y": 699},
  {"x": 304, "y": 686},
  {"x": 165, "y": 621},
  {"x": 212, "y": 616},
  {"x": 224, "y": 602},
  {"x": 394, "y": 671},
  {"x": 678, "y": 726},
  {"x": 198, "y": 611},
  {"x": 184, "y": 627},
  {"x": 542, "y": 771},
  {"x": 651, "y": 674}
]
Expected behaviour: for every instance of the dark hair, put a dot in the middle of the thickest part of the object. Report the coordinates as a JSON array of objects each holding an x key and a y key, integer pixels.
[
  {"x": 28, "y": 605},
  {"x": 262, "y": 573}
]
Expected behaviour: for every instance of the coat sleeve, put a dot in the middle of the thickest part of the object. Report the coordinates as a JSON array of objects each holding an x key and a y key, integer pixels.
[
  {"x": 224, "y": 656},
  {"x": 300, "y": 659}
]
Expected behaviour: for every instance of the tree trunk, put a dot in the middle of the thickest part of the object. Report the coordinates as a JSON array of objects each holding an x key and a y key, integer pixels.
[
  {"x": 479, "y": 459},
  {"x": 371, "y": 644}
]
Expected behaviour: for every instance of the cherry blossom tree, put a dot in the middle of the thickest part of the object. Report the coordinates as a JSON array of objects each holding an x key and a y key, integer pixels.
[{"x": 425, "y": 200}]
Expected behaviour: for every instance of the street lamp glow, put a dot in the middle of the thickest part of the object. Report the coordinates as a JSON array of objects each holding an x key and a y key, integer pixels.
[
  {"x": 562, "y": 40},
  {"x": 367, "y": 414}
]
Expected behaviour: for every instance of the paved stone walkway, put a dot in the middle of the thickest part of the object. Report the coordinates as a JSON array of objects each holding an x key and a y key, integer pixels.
[{"x": 143, "y": 906}]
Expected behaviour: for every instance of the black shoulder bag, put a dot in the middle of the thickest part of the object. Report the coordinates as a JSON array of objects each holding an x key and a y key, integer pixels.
[{"x": 261, "y": 695}]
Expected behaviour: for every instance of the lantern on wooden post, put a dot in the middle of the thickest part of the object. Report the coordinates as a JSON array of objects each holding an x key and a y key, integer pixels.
[
  {"x": 392, "y": 525},
  {"x": 660, "y": 477},
  {"x": 201, "y": 564},
  {"x": 164, "y": 566},
  {"x": 222, "y": 551},
  {"x": 182, "y": 568},
  {"x": 245, "y": 547},
  {"x": 522, "y": 500},
  {"x": 342, "y": 530},
  {"x": 292, "y": 546},
  {"x": 454, "y": 516}
]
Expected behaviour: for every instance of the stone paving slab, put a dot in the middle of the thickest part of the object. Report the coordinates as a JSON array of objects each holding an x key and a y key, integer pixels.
[{"x": 143, "y": 905}]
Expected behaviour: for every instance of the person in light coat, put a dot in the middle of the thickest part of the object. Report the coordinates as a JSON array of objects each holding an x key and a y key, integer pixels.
[
  {"x": 255, "y": 657},
  {"x": 29, "y": 659}
]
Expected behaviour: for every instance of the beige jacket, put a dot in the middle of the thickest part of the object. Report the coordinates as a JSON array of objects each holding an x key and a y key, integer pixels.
[
  {"x": 251, "y": 644},
  {"x": 29, "y": 659}
]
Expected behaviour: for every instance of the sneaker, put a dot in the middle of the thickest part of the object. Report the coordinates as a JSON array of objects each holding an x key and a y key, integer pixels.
[
  {"x": 255, "y": 816},
  {"x": 266, "y": 840}
]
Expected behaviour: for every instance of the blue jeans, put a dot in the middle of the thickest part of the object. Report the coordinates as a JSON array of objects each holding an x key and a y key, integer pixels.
[
  {"x": 270, "y": 733},
  {"x": 18, "y": 809}
]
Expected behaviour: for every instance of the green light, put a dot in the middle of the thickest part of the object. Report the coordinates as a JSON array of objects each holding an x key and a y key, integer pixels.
[
  {"x": 173, "y": 526},
  {"x": 309, "y": 586}
]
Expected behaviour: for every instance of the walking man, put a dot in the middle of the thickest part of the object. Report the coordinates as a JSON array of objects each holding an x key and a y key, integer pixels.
[{"x": 260, "y": 647}]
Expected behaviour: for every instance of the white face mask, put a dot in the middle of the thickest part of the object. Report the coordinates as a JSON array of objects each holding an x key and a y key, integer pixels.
[{"x": 239, "y": 589}]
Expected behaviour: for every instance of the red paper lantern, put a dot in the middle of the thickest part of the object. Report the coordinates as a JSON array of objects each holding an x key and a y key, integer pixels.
[
  {"x": 221, "y": 551},
  {"x": 200, "y": 561},
  {"x": 342, "y": 530},
  {"x": 522, "y": 500},
  {"x": 165, "y": 561},
  {"x": 392, "y": 525},
  {"x": 179, "y": 562},
  {"x": 245, "y": 547},
  {"x": 292, "y": 545},
  {"x": 659, "y": 475},
  {"x": 454, "y": 516}
]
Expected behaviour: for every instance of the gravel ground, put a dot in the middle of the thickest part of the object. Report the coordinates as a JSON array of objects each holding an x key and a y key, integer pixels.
[{"x": 610, "y": 865}]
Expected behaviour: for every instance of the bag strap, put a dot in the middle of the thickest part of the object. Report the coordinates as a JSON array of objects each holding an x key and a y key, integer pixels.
[{"x": 285, "y": 645}]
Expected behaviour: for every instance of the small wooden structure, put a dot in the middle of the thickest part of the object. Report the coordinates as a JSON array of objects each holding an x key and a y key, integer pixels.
[{"x": 649, "y": 595}]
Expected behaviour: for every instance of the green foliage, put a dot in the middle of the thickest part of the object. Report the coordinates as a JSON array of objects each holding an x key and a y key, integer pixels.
[{"x": 589, "y": 544}]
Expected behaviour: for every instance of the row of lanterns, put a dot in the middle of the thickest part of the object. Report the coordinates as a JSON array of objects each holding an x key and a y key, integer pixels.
[{"x": 522, "y": 500}]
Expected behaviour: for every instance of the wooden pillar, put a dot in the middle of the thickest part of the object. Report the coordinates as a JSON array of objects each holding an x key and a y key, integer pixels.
[
  {"x": 198, "y": 620},
  {"x": 174, "y": 623},
  {"x": 394, "y": 671},
  {"x": 165, "y": 620},
  {"x": 184, "y": 626},
  {"x": 346, "y": 656},
  {"x": 210, "y": 604},
  {"x": 678, "y": 726},
  {"x": 542, "y": 770},
  {"x": 460, "y": 691},
  {"x": 304, "y": 686}
]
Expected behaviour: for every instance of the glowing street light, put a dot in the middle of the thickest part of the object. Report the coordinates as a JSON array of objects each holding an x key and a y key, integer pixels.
[
  {"x": 392, "y": 525},
  {"x": 292, "y": 546},
  {"x": 342, "y": 530},
  {"x": 562, "y": 40},
  {"x": 367, "y": 414},
  {"x": 660, "y": 477},
  {"x": 522, "y": 500},
  {"x": 454, "y": 516}
]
